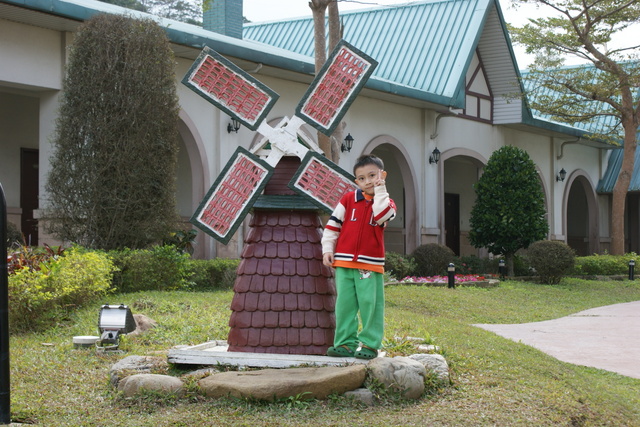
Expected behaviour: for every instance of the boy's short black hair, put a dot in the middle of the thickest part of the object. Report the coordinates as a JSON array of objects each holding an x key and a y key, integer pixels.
[{"x": 368, "y": 159}]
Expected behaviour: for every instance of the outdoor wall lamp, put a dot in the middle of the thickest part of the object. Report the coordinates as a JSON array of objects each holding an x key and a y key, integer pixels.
[
  {"x": 233, "y": 126},
  {"x": 435, "y": 156},
  {"x": 347, "y": 144},
  {"x": 561, "y": 175},
  {"x": 113, "y": 321}
]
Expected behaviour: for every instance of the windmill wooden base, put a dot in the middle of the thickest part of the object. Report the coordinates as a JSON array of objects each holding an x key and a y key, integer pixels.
[{"x": 284, "y": 296}]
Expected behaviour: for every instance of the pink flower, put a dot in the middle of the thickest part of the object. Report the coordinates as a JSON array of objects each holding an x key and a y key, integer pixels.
[{"x": 459, "y": 278}]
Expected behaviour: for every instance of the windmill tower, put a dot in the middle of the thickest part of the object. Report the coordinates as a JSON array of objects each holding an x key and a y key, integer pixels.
[{"x": 284, "y": 296}]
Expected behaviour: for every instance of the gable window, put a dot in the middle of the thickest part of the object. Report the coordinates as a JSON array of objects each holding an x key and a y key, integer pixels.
[{"x": 479, "y": 100}]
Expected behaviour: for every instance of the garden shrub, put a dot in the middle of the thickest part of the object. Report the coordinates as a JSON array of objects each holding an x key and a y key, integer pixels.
[
  {"x": 432, "y": 259},
  {"x": 398, "y": 265},
  {"x": 161, "y": 268},
  {"x": 40, "y": 296},
  {"x": 210, "y": 274},
  {"x": 14, "y": 235},
  {"x": 32, "y": 257},
  {"x": 551, "y": 260},
  {"x": 604, "y": 265},
  {"x": 521, "y": 266},
  {"x": 471, "y": 264}
]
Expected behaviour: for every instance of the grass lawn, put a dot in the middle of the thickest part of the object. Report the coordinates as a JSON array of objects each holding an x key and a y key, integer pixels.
[{"x": 495, "y": 381}]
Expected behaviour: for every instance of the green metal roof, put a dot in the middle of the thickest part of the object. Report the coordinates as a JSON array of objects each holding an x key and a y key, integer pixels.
[
  {"x": 608, "y": 181},
  {"x": 424, "y": 47},
  {"x": 601, "y": 124}
]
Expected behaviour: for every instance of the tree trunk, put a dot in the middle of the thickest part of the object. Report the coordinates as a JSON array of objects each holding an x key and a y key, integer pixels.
[
  {"x": 508, "y": 260},
  {"x": 630, "y": 124},
  {"x": 335, "y": 34},
  {"x": 318, "y": 8}
]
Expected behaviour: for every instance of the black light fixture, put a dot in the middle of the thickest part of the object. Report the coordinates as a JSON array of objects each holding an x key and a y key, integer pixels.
[
  {"x": 435, "y": 156},
  {"x": 561, "y": 175},
  {"x": 347, "y": 144},
  {"x": 233, "y": 126}
]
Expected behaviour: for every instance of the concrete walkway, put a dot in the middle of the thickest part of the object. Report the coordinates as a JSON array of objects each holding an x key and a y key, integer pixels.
[{"x": 605, "y": 337}]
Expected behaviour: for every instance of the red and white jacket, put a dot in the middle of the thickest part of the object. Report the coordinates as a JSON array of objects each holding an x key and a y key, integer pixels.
[{"x": 355, "y": 230}]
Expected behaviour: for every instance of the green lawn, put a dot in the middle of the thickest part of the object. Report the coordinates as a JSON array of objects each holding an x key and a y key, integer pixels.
[{"x": 495, "y": 381}]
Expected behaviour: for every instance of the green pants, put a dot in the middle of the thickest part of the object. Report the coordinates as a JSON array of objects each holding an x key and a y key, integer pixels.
[{"x": 359, "y": 291}]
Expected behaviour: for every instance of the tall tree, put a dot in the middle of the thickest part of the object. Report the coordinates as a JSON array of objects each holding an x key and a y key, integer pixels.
[
  {"x": 605, "y": 87},
  {"x": 112, "y": 179},
  {"x": 189, "y": 11},
  {"x": 319, "y": 9},
  {"x": 509, "y": 212}
]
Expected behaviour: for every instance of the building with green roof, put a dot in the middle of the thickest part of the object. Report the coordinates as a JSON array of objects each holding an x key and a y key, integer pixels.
[{"x": 447, "y": 82}]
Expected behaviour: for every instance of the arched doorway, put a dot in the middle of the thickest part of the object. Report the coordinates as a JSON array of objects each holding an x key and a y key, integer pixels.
[
  {"x": 461, "y": 169},
  {"x": 402, "y": 233},
  {"x": 581, "y": 218},
  {"x": 192, "y": 171}
]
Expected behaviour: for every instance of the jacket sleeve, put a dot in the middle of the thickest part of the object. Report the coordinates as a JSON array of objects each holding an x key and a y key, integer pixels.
[
  {"x": 384, "y": 208},
  {"x": 332, "y": 229}
]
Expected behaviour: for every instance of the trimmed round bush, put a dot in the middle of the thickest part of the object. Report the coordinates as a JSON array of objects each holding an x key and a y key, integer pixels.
[
  {"x": 432, "y": 259},
  {"x": 398, "y": 265},
  {"x": 551, "y": 260}
]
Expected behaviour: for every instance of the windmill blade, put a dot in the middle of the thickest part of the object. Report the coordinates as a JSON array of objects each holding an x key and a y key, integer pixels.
[
  {"x": 321, "y": 181},
  {"x": 230, "y": 88},
  {"x": 232, "y": 195},
  {"x": 335, "y": 87}
]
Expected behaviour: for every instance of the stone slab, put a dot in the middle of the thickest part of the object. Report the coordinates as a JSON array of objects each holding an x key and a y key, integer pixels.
[{"x": 214, "y": 353}]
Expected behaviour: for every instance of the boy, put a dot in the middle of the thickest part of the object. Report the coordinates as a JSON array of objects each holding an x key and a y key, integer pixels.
[{"x": 353, "y": 243}]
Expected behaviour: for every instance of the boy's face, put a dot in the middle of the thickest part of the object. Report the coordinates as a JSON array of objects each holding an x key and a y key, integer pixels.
[{"x": 368, "y": 176}]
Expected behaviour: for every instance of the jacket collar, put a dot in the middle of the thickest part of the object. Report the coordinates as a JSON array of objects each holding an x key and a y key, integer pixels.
[{"x": 359, "y": 195}]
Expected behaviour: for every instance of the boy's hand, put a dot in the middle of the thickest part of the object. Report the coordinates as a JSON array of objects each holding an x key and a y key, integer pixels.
[
  {"x": 381, "y": 177},
  {"x": 327, "y": 259}
]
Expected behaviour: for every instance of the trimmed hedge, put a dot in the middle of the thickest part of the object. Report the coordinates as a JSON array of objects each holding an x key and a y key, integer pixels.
[
  {"x": 604, "y": 265},
  {"x": 212, "y": 274},
  {"x": 161, "y": 268}
]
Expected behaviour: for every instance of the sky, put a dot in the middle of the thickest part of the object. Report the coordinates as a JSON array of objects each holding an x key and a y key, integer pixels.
[{"x": 269, "y": 10}]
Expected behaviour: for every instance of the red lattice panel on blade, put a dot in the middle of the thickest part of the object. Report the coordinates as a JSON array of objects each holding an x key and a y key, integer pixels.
[
  {"x": 230, "y": 89},
  {"x": 323, "y": 183},
  {"x": 340, "y": 80},
  {"x": 232, "y": 195}
]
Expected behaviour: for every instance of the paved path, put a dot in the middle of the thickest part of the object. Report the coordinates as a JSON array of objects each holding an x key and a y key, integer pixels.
[{"x": 605, "y": 337}]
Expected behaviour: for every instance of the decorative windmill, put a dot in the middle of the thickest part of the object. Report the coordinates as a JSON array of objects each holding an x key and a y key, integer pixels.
[{"x": 284, "y": 296}]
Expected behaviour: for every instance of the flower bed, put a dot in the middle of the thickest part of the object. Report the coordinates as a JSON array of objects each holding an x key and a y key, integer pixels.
[{"x": 460, "y": 280}]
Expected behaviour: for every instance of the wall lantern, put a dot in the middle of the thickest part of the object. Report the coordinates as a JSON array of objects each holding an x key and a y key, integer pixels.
[
  {"x": 233, "y": 126},
  {"x": 561, "y": 175},
  {"x": 347, "y": 144},
  {"x": 435, "y": 156}
]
